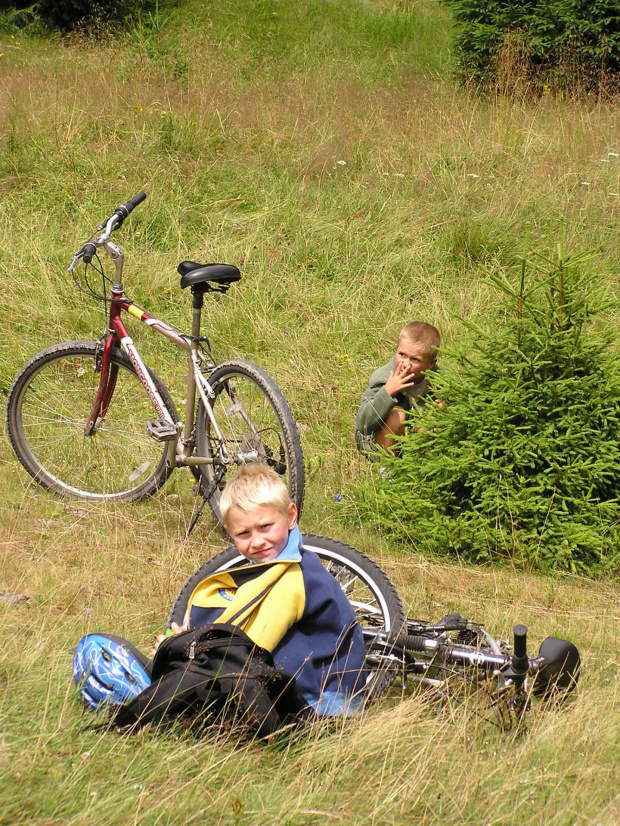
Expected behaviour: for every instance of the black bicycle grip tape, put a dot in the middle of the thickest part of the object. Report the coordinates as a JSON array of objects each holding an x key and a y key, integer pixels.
[
  {"x": 123, "y": 210},
  {"x": 132, "y": 203},
  {"x": 520, "y": 663},
  {"x": 412, "y": 642},
  {"x": 520, "y": 641},
  {"x": 89, "y": 251}
]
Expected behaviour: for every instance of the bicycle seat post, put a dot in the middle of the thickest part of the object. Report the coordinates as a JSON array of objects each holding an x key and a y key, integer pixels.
[{"x": 197, "y": 302}]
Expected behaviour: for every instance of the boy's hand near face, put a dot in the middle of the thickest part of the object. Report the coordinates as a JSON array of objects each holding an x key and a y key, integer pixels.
[
  {"x": 401, "y": 378},
  {"x": 411, "y": 361}
]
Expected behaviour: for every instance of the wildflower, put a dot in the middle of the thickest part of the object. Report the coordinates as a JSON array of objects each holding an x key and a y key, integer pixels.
[
  {"x": 341, "y": 163},
  {"x": 338, "y": 497}
]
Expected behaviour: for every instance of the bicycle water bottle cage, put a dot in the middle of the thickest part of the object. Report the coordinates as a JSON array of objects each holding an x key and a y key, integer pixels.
[{"x": 206, "y": 277}]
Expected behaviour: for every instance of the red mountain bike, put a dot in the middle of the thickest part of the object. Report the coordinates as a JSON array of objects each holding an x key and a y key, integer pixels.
[{"x": 89, "y": 419}]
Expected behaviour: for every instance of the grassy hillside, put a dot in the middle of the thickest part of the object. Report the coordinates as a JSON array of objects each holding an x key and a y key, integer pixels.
[{"x": 324, "y": 148}]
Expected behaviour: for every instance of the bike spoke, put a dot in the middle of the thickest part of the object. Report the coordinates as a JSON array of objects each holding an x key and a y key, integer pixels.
[{"x": 53, "y": 410}]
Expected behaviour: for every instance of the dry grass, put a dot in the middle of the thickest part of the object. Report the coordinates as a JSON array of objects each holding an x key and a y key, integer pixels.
[{"x": 239, "y": 152}]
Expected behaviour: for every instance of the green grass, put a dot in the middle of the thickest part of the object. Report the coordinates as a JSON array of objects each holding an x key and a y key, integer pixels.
[{"x": 234, "y": 118}]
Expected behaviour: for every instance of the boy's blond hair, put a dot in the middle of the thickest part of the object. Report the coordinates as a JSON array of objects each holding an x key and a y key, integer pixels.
[
  {"x": 419, "y": 332},
  {"x": 253, "y": 486}
]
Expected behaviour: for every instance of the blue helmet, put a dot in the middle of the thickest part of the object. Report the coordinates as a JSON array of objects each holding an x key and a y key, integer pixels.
[{"x": 108, "y": 671}]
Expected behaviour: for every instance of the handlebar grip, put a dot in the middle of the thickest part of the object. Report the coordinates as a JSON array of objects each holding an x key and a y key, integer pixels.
[
  {"x": 412, "y": 642},
  {"x": 89, "y": 251},
  {"x": 520, "y": 663},
  {"x": 132, "y": 203},
  {"x": 124, "y": 209}
]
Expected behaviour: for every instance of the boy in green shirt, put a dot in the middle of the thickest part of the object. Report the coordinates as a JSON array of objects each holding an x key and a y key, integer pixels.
[{"x": 397, "y": 387}]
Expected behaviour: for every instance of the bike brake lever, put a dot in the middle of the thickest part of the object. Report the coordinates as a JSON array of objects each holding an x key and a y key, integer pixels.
[{"x": 76, "y": 257}]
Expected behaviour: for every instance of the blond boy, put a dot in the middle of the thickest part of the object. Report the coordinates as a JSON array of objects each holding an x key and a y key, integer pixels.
[
  {"x": 284, "y": 599},
  {"x": 394, "y": 389}
]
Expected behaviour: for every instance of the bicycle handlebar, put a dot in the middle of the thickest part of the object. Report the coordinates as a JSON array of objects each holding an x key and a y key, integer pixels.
[
  {"x": 413, "y": 642},
  {"x": 121, "y": 212},
  {"x": 124, "y": 209},
  {"x": 114, "y": 222},
  {"x": 520, "y": 662},
  {"x": 88, "y": 250}
]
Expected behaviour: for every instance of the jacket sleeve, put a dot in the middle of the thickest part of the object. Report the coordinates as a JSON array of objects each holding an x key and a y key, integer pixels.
[{"x": 376, "y": 403}]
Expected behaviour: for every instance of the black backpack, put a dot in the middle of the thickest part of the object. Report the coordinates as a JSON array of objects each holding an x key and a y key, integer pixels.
[{"x": 216, "y": 670}]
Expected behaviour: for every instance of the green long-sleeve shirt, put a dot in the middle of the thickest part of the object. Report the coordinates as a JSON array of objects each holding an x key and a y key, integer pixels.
[{"x": 377, "y": 403}]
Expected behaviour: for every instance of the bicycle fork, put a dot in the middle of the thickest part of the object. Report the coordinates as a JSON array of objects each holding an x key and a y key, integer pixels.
[{"x": 118, "y": 336}]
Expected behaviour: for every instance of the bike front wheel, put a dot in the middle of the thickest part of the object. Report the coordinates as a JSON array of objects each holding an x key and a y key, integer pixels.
[
  {"x": 47, "y": 410},
  {"x": 255, "y": 424}
]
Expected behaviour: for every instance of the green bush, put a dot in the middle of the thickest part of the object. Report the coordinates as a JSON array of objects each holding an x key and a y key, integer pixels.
[
  {"x": 565, "y": 44},
  {"x": 67, "y": 14},
  {"x": 524, "y": 460}
]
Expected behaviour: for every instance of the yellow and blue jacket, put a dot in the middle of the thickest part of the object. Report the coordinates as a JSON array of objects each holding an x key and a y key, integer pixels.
[{"x": 296, "y": 610}]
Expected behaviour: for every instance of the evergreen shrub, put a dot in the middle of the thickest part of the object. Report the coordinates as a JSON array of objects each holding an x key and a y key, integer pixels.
[
  {"x": 68, "y": 14},
  {"x": 523, "y": 461},
  {"x": 558, "y": 44}
]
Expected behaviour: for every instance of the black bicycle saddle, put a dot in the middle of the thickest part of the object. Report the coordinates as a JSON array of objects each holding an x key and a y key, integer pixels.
[{"x": 193, "y": 274}]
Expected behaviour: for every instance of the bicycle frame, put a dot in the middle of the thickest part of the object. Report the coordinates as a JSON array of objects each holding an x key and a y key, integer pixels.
[
  {"x": 426, "y": 656},
  {"x": 181, "y": 447},
  {"x": 432, "y": 654}
]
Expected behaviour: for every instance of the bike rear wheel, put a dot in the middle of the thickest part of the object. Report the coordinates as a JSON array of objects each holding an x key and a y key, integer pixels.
[
  {"x": 255, "y": 421},
  {"x": 371, "y": 594},
  {"x": 47, "y": 409}
]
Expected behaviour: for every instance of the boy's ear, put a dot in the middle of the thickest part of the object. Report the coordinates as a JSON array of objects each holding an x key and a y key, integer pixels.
[{"x": 292, "y": 515}]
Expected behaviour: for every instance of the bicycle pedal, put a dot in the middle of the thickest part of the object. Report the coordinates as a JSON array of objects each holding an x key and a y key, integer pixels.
[{"x": 161, "y": 431}]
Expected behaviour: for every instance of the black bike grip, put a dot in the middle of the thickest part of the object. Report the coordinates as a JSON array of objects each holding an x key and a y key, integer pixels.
[
  {"x": 520, "y": 662},
  {"x": 412, "y": 642},
  {"x": 124, "y": 209},
  {"x": 520, "y": 635},
  {"x": 132, "y": 203},
  {"x": 88, "y": 251}
]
